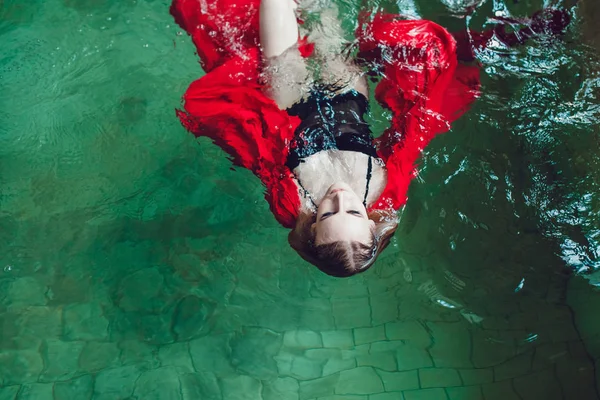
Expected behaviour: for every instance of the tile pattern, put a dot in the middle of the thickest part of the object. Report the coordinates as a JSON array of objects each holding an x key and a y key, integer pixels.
[{"x": 375, "y": 337}]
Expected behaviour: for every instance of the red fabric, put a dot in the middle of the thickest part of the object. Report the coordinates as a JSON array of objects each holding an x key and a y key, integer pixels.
[
  {"x": 422, "y": 86},
  {"x": 227, "y": 104}
]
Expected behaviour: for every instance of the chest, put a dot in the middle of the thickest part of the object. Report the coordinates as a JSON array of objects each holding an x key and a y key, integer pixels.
[{"x": 321, "y": 170}]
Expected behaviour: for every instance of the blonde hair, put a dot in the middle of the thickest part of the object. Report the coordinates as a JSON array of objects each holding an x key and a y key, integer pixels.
[{"x": 343, "y": 259}]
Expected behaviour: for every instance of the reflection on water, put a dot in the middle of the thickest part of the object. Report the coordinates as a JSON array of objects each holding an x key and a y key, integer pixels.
[{"x": 135, "y": 264}]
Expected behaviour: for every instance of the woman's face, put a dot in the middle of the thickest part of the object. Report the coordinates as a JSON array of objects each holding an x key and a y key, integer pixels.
[{"x": 341, "y": 216}]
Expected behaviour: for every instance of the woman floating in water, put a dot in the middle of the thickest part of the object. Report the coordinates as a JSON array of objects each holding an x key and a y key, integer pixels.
[{"x": 326, "y": 178}]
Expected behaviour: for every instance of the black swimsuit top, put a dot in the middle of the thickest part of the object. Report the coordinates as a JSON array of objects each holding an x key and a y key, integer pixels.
[{"x": 335, "y": 123}]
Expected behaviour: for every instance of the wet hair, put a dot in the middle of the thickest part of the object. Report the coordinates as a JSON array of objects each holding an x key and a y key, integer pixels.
[{"x": 342, "y": 259}]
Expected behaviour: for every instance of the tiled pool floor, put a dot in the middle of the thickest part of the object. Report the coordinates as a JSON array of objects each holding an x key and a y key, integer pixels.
[{"x": 158, "y": 334}]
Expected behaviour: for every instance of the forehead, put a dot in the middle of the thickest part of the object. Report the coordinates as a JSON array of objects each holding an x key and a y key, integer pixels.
[{"x": 343, "y": 227}]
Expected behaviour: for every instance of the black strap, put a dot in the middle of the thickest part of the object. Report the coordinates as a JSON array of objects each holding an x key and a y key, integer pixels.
[
  {"x": 369, "y": 174},
  {"x": 306, "y": 192}
]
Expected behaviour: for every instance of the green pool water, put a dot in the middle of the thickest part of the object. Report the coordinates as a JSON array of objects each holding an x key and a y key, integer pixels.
[{"x": 135, "y": 264}]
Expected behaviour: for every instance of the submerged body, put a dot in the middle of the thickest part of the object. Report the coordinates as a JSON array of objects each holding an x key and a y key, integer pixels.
[{"x": 317, "y": 163}]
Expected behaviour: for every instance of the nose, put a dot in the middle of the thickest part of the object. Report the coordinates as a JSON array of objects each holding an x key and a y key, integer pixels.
[{"x": 339, "y": 201}]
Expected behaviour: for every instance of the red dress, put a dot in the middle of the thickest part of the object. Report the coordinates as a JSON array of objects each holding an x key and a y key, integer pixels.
[{"x": 424, "y": 86}]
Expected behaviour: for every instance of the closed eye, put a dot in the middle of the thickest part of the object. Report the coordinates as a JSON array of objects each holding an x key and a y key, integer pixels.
[
  {"x": 354, "y": 212},
  {"x": 325, "y": 215}
]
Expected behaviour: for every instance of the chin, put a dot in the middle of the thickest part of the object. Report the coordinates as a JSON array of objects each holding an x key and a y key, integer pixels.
[{"x": 339, "y": 186}]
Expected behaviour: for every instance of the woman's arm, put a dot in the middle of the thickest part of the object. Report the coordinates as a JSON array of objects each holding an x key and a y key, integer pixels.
[
  {"x": 278, "y": 26},
  {"x": 425, "y": 87},
  {"x": 228, "y": 104}
]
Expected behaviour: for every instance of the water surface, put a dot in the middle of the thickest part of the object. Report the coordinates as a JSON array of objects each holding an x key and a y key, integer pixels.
[{"x": 134, "y": 263}]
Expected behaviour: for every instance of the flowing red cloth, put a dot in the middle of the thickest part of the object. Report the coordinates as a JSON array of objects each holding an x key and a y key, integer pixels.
[
  {"x": 423, "y": 85},
  {"x": 227, "y": 104}
]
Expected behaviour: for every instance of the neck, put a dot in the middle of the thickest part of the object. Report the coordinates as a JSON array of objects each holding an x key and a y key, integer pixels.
[{"x": 319, "y": 171}]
